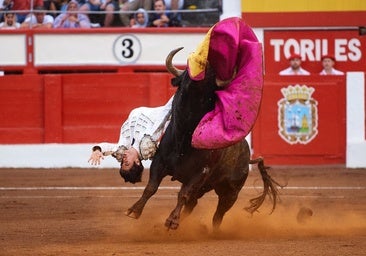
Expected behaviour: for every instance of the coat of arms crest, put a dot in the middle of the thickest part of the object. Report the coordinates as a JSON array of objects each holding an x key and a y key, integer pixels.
[{"x": 297, "y": 114}]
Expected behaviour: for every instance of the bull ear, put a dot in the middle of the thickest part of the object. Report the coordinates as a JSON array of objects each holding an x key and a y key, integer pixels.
[{"x": 168, "y": 63}]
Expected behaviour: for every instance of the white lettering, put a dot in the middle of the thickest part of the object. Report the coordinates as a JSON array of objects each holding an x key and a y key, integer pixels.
[
  {"x": 340, "y": 49},
  {"x": 277, "y": 43},
  {"x": 313, "y": 49},
  {"x": 307, "y": 49},
  {"x": 291, "y": 46},
  {"x": 324, "y": 48},
  {"x": 317, "y": 49},
  {"x": 354, "y": 48}
]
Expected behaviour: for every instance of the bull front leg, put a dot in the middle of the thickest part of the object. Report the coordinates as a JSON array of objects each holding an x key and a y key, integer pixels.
[
  {"x": 157, "y": 173},
  {"x": 136, "y": 210},
  {"x": 172, "y": 222},
  {"x": 187, "y": 194}
]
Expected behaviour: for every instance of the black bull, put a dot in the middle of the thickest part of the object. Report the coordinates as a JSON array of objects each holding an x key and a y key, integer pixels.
[{"x": 223, "y": 170}]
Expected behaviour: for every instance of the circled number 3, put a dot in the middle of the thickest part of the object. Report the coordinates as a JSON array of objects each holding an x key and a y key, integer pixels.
[{"x": 127, "y": 49}]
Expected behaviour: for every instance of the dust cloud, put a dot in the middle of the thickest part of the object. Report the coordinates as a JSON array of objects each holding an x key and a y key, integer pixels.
[{"x": 238, "y": 224}]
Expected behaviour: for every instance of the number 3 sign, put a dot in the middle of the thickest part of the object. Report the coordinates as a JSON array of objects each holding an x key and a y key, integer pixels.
[{"x": 127, "y": 49}]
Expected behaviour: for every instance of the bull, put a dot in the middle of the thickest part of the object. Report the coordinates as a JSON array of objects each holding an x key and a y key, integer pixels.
[{"x": 199, "y": 170}]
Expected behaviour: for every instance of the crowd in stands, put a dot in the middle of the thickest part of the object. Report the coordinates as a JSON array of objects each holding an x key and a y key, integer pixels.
[{"x": 16, "y": 14}]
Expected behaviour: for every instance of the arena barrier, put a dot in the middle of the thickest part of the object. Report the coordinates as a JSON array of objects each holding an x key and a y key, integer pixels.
[{"x": 53, "y": 120}]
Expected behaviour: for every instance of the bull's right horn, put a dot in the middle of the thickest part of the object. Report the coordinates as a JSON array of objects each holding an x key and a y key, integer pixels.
[{"x": 168, "y": 63}]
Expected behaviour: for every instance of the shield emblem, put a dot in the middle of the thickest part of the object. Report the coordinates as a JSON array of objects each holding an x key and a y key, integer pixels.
[{"x": 297, "y": 114}]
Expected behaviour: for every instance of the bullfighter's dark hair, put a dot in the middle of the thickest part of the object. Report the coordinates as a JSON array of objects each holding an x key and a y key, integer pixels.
[{"x": 134, "y": 174}]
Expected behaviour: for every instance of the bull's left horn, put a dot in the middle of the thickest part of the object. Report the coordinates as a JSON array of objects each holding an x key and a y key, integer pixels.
[{"x": 168, "y": 63}]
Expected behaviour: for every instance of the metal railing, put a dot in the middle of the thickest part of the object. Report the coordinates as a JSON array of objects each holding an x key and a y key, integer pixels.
[{"x": 204, "y": 17}]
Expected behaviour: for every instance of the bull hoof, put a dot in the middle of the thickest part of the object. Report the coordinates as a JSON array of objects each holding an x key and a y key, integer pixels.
[
  {"x": 170, "y": 224},
  {"x": 130, "y": 213}
]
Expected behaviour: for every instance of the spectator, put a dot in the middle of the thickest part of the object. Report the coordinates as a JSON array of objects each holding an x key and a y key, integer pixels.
[
  {"x": 328, "y": 62},
  {"x": 101, "y": 5},
  {"x": 295, "y": 67},
  {"x": 71, "y": 19},
  {"x": 161, "y": 18},
  {"x": 24, "y": 7},
  {"x": 132, "y": 5},
  {"x": 9, "y": 21},
  {"x": 39, "y": 19},
  {"x": 175, "y": 17},
  {"x": 141, "y": 19}
]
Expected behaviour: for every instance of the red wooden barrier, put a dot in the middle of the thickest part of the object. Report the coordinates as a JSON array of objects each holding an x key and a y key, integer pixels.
[
  {"x": 320, "y": 139},
  {"x": 74, "y": 108},
  {"x": 88, "y": 108},
  {"x": 22, "y": 105}
]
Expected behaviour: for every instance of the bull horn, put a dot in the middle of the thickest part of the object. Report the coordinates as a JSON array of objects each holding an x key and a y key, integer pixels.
[{"x": 168, "y": 63}]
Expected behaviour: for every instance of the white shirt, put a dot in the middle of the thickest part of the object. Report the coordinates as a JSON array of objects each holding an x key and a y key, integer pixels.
[
  {"x": 33, "y": 20},
  {"x": 333, "y": 72},
  {"x": 3, "y": 25},
  {"x": 141, "y": 121},
  {"x": 289, "y": 72}
]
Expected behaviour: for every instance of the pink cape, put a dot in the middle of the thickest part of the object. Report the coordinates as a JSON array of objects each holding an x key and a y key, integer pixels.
[{"x": 232, "y": 47}]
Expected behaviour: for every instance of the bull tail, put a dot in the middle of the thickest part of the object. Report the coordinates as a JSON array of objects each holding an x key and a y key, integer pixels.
[{"x": 269, "y": 188}]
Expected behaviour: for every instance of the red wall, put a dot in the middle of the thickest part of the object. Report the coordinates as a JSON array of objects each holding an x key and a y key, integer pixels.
[
  {"x": 74, "y": 108},
  {"x": 328, "y": 146},
  {"x": 88, "y": 108}
]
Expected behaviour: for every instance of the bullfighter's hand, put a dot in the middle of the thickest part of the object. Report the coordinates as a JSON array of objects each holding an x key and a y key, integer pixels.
[{"x": 96, "y": 157}]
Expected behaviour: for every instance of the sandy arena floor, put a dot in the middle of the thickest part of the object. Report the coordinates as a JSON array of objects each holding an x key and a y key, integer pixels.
[{"x": 81, "y": 212}]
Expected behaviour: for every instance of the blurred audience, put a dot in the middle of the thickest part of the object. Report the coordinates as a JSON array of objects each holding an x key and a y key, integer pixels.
[
  {"x": 101, "y": 13},
  {"x": 132, "y": 5},
  {"x": 161, "y": 17},
  {"x": 201, "y": 18},
  {"x": 24, "y": 7},
  {"x": 38, "y": 19},
  {"x": 72, "y": 19},
  {"x": 10, "y": 21},
  {"x": 141, "y": 19},
  {"x": 5, "y": 5},
  {"x": 108, "y": 6},
  {"x": 55, "y": 6}
]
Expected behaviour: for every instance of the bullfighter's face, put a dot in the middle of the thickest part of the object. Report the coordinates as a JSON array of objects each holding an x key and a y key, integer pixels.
[{"x": 129, "y": 157}]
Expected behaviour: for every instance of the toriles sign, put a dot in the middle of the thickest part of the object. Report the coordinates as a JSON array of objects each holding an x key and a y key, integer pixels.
[{"x": 345, "y": 45}]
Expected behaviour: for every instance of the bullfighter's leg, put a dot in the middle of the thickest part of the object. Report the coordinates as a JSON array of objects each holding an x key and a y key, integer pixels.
[{"x": 156, "y": 176}]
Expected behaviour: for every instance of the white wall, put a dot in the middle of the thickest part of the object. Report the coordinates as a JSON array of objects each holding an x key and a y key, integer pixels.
[
  {"x": 356, "y": 143},
  {"x": 230, "y": 8}
]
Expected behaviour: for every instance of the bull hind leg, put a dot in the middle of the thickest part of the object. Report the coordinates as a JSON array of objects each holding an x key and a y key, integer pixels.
[
  {"x": 193, "y": 200},
  {"x": 227, "y": 198},
  {"x": 188, "y": 207}
]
